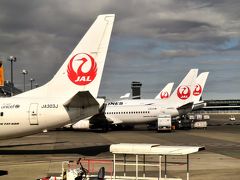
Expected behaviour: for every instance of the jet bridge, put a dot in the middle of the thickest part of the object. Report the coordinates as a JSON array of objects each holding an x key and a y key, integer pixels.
[{"x": 143, "y": 151}]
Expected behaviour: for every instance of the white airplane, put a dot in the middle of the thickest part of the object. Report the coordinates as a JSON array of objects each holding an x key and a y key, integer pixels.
[
  {"x": 165, "y": 92},
  {"x": 138, "y": 111},
  {"x": 148, "y": 110},
  {"x": 69, "y": 96}
]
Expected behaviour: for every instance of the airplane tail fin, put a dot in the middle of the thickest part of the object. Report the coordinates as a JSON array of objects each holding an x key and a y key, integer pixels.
[
  {"x": 82, "y": 70},
  {"x": 125, "y": 96},
  {"x": 165, "y": 92},
  {"x": 199, "y": 86},
  {"x": 198, "y": 90},
  {"x": 182, "y": 94}
]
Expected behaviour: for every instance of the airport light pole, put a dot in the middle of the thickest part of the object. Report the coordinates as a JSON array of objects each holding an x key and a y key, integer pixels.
[
  {"x": 12, "y": 59},
  {"x": 24, "y": 72},
  {"x": 31, "y": 81}
]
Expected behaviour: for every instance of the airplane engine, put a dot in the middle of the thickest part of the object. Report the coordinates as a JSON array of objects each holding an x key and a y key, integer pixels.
[{"x": 83, "y": 124}]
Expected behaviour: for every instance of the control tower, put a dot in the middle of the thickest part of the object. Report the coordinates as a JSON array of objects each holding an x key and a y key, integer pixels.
[{"x": 136, "y": 90}]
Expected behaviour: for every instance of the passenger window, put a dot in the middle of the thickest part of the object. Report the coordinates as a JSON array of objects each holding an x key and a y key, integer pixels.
[{"x": 1, "y": 114}]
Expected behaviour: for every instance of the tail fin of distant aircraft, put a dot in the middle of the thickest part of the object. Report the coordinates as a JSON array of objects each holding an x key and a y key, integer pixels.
[
  {"x": 198, "y": 90},
  {"x": 82, "y": 70},
  {"x": 199, "y": 86},
  {"x": 125, "y": 96},
  {"x": 182, "y": 94},
  {"x": 166, "y": 91}
]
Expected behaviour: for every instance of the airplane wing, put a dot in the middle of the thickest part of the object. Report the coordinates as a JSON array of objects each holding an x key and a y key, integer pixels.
[
  {"x": 199, "y": 105},
  {"x": 184, "y": 109}
]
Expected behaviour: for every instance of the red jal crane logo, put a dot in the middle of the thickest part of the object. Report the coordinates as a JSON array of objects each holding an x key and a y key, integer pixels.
[
  {"x": 197, "y": 90},
  {"x": 80, "y": 76},
  {"x": 183, "y": 92},
  {"x": 164, "y": 95}
]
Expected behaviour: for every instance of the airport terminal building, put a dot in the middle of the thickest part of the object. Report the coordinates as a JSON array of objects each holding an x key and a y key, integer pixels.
[{"x": 221, "y": 111}]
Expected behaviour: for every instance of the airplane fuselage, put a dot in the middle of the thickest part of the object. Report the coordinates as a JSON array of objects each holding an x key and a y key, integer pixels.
[
  {"x": 136, "y": 114},
  {"x": 21, "y": 116}
]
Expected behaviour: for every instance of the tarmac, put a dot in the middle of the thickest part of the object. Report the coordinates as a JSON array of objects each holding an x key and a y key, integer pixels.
[{"x": 40, "y": 155}]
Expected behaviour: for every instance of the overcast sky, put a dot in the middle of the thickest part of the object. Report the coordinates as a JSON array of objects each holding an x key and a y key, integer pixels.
[{"x": 153, "y": 41}]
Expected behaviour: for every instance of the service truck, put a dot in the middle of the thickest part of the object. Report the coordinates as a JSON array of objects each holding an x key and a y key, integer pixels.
[{"x": 164, "y": 123}]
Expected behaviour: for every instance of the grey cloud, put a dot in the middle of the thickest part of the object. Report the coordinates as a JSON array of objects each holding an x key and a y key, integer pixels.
[
  {"x": 180, "y": 53},
  {"x": 42, "y": 34}
]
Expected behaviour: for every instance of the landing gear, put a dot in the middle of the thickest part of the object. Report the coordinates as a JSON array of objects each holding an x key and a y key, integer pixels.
[
  {"x": 117, "y": 127},
  {"x": 105, "y": 127}
]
